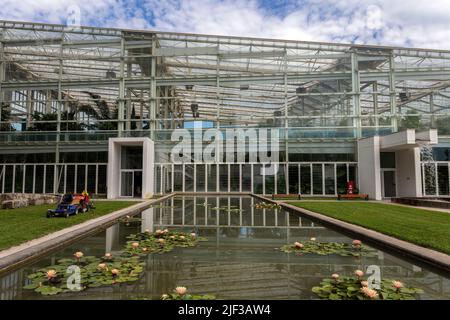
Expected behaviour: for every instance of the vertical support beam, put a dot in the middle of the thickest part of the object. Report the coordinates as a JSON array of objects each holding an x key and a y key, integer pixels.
[
  {"x": 127, "y": 104},
  {"x": 153, "y": 96},
  {"x": 29, "y": 107},
  {"x": 356, "y": 95},
  {"x": 392, "y": 94},
  {"x": 2, "y": 74},
  {"x": 218, "y": 153},
  {"x": 58, "y": 112},
  {"x": 433, "y": 117},
  {"x": 120, "y": 120},
  {"x": 375, "y": 104},
  {"x": 286, "y": 114}
]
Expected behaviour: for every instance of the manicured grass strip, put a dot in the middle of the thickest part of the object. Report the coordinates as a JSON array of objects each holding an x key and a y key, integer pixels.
[
  {"x": 430, "y": 229},
  {"x": 24, "y": 224}
]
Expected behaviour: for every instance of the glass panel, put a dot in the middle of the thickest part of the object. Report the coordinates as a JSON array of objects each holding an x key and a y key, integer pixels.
[
  {"x": 281, "y": 179},
  {"x": 18, "y": 179},
  {"x": 189, "y": 177},
  {"x": 443, "y": 179},
  {"x": 131, "y": 157},
  {"x": 293, "y": 179},
  {"x": 234, "y": 177},
  {"x": 49, "y": 176},
  {"x": 341, "y": 176},
  {"x": 352, "y": 174},
  {"x": 29, "y": 172},
  {"x": 269, "y": 179},
  {"x": 39, "y": 180},
  {"x": 387, "y": 160},
  {"x": 246, "y": 178},
  {"x": 91, "y": 180},
  {"x": 200, "y": 179},
  {"x": 70, "y": 182},
  {"x": 329, "y": 179},
  {"x": 212, "y": 177},
  {"x": 8, "y": 179},
  {"x": 305, "y": 179},
  {"x": 257, "y": 179},
  {"x": 317, "y": 179},
  {"x": 126, "y": 184},
  {"x": 223, "y": 179},
  {"x": 178, "y": 177},
  {"x": 81, "y": 178},
  {"x": 158, "y": 179},
  {"x": 102, "y": 187}
]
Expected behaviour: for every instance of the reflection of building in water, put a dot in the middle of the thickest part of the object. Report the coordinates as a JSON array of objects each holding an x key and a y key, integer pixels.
[{"x": 239, "y": 260}]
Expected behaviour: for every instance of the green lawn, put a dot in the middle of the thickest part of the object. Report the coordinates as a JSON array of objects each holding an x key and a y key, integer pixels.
[
  {"x": 24, "y": 224},
  {"x": 426, "y": 228}
]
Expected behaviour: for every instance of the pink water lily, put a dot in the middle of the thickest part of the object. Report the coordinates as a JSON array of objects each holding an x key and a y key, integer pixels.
[
  {"x": 51, "y": 274},
  {"x": 115, "y": 272},
  {"x": 135, "y": 245},
  {"x": 78, "y": 255},
  {"x": 161, "y": 241},
  {"x": 108, "y": 255},
  {"x": 102, "y": 266},
  {"x": 364, "y": 283},
  {"x": 370, "y": 293},
  {"x": 298, "y": 245},
  {"x": 397, "y": 284},
  {"x": 335, "y": 276},
  {"x": 181, "y": 290},
  {"x": 359, "y": 273},
  {"x": 357, "y": 243}
]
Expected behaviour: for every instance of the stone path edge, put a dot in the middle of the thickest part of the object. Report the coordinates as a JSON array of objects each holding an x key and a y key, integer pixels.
[
  {"x": 17, "y": 256},
  {"x": 431, "y": 257}
]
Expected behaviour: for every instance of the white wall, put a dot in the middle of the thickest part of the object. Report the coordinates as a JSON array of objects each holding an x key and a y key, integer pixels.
[
  {"x": 369, "y": 167},
  {"x": 409, "y": 179},
  {"x": 148, "y": 159}
]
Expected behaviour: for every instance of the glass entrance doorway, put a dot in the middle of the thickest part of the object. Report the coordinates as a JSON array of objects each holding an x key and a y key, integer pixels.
[
  {"x": 388, "y": 183},
  {"x": 131, "y": 172},
  {"x": 131, "y": 183}
]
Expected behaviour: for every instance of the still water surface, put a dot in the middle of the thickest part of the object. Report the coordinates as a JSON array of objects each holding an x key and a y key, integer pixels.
[{"x": 240, "y": 260}]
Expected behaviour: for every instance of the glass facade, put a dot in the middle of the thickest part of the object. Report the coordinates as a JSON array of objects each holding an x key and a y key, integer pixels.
[{"x": 56, "y": 117}]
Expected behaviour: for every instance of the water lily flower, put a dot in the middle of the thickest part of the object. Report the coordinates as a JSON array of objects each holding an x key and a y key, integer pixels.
[
  {"x": 364, "y": 283},
  {"x": 78, "y": 255},
  {"x": 335, "y": 276},
  {"x": 172, "y": 237},
  {"x": 102, "y": 266},
  {"x": 147, "y": 231},
  {"x": 181, "y": 290},
  {"x": 166, "y": 231},
  {"x": 161, "y": 241},
  {"x": 193, "y": 235},
  {"x": 115, "y": 272},
  {"x": 165, "y": 297},
  {"x": 51, "y": 274},
  {"x": 370, "y": 293},
  {"x": 397, "y": 284},
  {"x": 359, "y": 273},
  {"x": 182, "y": 237},
  {"x": 313, "y": 239},
  {"x": 357, "y": 243},
  {"x": 298, "y": 245},
  {"x": 108, "y": 255},
  {"x": 144, "y": 249},
  {"x": 135, "y": 245}
]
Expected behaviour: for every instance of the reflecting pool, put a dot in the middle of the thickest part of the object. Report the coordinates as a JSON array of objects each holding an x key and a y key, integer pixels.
[{"x": 240, "y": 260}]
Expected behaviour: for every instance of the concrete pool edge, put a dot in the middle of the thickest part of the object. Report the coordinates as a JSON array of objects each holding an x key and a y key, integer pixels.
[
  {"x": 27, "y": 252},
  {"x": 434, "y": 258}
]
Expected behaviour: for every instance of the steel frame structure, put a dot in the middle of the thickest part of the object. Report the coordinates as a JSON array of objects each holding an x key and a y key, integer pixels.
[{"x": 98, "y": 83}]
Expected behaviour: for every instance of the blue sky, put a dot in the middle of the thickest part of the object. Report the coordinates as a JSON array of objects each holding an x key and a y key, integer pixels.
[{"x": 418, "y": 23}]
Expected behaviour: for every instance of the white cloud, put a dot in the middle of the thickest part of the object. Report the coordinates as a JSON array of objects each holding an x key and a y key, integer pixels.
[{"x": 420, "y": 23}]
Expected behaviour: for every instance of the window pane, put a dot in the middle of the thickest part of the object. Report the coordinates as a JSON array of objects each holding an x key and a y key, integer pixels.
[
  {"x": 257, "y": 179},
  {"x": 305, "y": 179},
  {"x": 212, "y": 177},
  {"x": 329, "y": 179},
  {"x": 317, "y": 179},
  {"x": 293, "y": 179},
  {"x": 246, "y": 178},
  {"x": 223, "y": 179},
  {"x": 200, "y": 179}
]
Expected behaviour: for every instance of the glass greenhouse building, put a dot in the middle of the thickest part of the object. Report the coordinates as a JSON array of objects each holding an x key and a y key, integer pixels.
[{"x": 104, "y": 109}]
